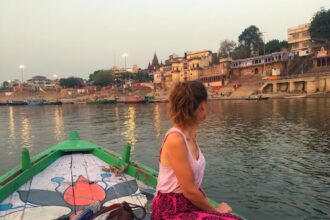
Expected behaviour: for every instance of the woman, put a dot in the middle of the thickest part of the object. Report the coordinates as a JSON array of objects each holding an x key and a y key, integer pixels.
[{"x": 182, "y": 164}]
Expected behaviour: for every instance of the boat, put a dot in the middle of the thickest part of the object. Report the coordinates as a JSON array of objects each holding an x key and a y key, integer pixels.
[
  {"x": 66, "y": 179},
  {"x": 17, "y": 103},
  {"x": 43, "y": 102},
  {"x": 294, "y": 96},
  {"x": 153, "y": 99},
  {"x": 102, "y": 102},
  {"x": 131, "y": 100},
  {"x": 36, "y": 102},
  {"x": 3, "y": 103},
  {"x": 52, "y": 103},
  {"x": 256, "y": 97}
]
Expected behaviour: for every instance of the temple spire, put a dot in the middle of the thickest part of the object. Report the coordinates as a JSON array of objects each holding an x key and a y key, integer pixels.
[{"x": 155, "y": 62}]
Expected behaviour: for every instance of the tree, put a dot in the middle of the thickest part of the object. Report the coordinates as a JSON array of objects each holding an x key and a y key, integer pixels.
[
  {"x": 5, "y": 84},
  {"x": 251, "y": 39},
  {"x": 241, "y": 52},
  {"x": 103, "y": 78},
  {"x": 320, "y": 25},
  {"x": 71, "y": 82},
  {"x": 275, "y": 46},
  {"x": 226, "y": 48}
]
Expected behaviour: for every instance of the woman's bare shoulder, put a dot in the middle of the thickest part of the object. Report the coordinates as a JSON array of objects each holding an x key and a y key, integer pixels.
[{"x": 175, "y": 142}]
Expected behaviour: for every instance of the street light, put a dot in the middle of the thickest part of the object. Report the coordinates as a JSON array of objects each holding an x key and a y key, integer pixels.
[
  {"x": 263, "y": 36},
  {"x": 22, "y": 70},
  {"x": 125, "y": 55}
]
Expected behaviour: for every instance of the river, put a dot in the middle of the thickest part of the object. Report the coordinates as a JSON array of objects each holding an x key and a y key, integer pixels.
[{"x": 268, "y": 159}]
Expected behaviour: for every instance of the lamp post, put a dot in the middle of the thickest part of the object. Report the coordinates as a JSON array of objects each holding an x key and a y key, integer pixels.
[
  {"x": 263, "y": 36},
  {"x": 125, "y": 55},
  {"x": 22, "y": 70},
  {"x": 56, "y": 88}
]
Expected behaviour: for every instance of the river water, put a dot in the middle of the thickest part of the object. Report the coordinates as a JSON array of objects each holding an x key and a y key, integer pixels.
[{"x": 267, "y": 159}]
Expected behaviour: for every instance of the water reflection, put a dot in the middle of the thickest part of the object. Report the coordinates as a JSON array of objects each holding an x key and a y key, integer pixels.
[
  {"x": 26, "y": 132},
  {"x": 58, "y": 117},
  {"x": 157, "y": 119},
  {"x": 129, "y": 125},
  {"x": 11, "y": 124}
]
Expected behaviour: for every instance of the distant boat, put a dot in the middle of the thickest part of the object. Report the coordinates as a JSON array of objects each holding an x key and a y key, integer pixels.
[
  {"x": 17, "y": 103},
  {"x": 36, "y": 102},
  {"x": 256, "y": 97},
  {"x": 131, "y": 100},
  {"x": 53, "y": 103},
  {"x": 153, "y": 99},
  {"x": 102, "y": 102},
  {"x": 43, "y": 102},
  {"x": 295, "y": 96}
]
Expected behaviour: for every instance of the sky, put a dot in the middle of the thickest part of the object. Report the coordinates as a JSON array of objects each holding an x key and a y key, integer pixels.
[{"x": 77, "y": 37}]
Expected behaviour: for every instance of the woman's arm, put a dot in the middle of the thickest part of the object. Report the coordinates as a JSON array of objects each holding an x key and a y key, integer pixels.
[{"x": 177, "y": 155}]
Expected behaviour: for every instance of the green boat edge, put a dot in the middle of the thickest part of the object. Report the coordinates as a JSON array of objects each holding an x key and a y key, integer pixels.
[{"x": 29, "y": 167}]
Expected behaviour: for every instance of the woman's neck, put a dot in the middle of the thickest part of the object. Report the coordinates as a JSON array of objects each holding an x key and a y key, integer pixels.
[{"x": 189, "y": 132}]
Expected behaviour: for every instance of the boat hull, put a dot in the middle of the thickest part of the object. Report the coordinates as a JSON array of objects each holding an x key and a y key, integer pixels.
[{"x": 69, "y": 177}]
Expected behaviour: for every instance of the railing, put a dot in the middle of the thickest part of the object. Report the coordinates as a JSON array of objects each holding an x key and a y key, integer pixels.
[{"x": 311, "y": 74}]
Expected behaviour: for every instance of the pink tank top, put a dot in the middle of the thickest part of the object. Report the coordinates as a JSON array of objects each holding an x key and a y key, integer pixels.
[{"x": 167, "y": 181}]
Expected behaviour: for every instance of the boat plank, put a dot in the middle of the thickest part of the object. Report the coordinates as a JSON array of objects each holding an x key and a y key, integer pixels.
[
  {"x": 86, "y": 189},
  {"x": 47, "y": 191},
  {"x": 13, "y": 207}
]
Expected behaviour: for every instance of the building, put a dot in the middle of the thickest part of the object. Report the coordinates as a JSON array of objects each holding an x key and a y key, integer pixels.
[
  {"x": 267, "y": 65},
  {"x": 154, "y": 63},
  {"x": 163, "y": 77},
  {"x": 177, "y": 65},
  {"x": 217, "y": 75},
  {"x": 299, "y": 40},
  {"x": 190, "y": 67},
  {"x": 40, "y": 81},
  {"x": 321, "y": 60}
]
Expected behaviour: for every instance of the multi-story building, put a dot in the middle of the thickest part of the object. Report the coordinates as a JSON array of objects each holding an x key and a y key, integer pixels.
[
  {"x": 190, "y": 67},
  {"x": 177, "y": 69},
  {"x": 270, "y": 64},
  {"x": 217, "y": 75},
  {"x": 299, "y": 40},
  {"x": 40, "y": 81}
]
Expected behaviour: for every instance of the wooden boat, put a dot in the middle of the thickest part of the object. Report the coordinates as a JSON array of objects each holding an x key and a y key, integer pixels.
[
  {"x": 295, "y": 97},
  {"x": 65, "y": 179},
  {"x": 43, "y": 102},
  {"x": 131, "y": 100},
  {"x": 36, "y": 102},
  {"x": 153, "y": 99},
  {"x": 256, "y": 97},
  {"x": 17, "y": 103},
  {"x": 102, "y": 102},
  {"x": 159, "y": 101},
  {"x": 53, "y": 103}
]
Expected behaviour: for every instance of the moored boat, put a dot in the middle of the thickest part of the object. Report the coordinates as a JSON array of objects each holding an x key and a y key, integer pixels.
[
  {"x": 53, "y": 103},
  {"x": 294, "y": 96},
  {"x": 131, "y": 100},
  {"x": 69, "y": 177},
  {"x": 102, "y": 102},
  {"x": 256, "y": 97},
  {"x": 43, "y": 102},
  {"x": 17, "y": 103}
]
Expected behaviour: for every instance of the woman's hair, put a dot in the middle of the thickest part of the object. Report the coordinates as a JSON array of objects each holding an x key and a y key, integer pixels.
[{"x": 185, "y": 99}]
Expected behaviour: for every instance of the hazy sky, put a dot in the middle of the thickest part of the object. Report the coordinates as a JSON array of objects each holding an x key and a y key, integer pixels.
[{"x": 77, "y": 37}]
